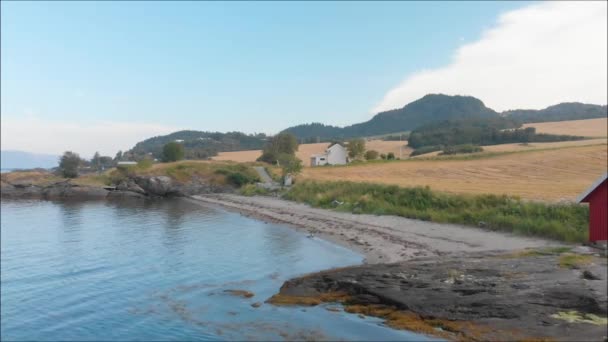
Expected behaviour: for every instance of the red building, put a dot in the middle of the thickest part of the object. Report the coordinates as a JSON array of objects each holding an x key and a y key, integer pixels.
[{"x": 597, "y": 197}]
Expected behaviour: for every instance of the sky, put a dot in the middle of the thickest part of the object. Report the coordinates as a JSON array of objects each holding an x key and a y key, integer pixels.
[{"x": 101, "y": 76}]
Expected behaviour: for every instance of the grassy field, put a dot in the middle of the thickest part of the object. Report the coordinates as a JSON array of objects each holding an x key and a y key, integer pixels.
[
  {"x": 585, "y": 128},
  {"x": 306, "y": 150},
  {"x": 549, "y": 175},
  {"x": 565, "y": 222},
  {"x": 517, "y": 147}
]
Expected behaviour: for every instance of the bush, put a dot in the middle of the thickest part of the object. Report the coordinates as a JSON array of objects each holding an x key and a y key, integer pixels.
[
  {"x": 173, "y": 151},
  {"x": 69, "y": 163},
  {"x": 565, "y": 222},
  {"x": 371, "y": 155},
  {"x": 465, "y": 148},
  {"x": 425, "y": 149},
  {"x": 390, "y": 156},
  {"x": 383, "y": 156}
]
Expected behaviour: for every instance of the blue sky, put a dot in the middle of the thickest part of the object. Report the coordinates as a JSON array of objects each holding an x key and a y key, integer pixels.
[{"x": 247, "y": 66}]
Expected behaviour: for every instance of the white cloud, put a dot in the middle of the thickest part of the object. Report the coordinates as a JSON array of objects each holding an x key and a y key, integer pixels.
[
  {"x": 534, "y": 57},
  {"x": 45, "y": 136}
]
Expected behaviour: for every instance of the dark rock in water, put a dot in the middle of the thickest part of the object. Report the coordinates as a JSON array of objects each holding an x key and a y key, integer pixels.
[
  {"x": 256, "y": 304},
  {"x": 130, "y": 185},
  {"x": 590, "y": 276},
  {"x": 484, "y": 289},
  {"x": 67, "y": 190},
  {"x": 124, "y": 194}
]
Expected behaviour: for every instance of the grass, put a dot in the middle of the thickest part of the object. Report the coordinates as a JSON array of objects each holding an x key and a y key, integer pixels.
[{"x": 564, "y": 222}]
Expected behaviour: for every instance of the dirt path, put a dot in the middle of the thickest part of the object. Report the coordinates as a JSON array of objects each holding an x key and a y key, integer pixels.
[
  {"x": 380, "y": 238},
  {"x": 264, "y": 176}
]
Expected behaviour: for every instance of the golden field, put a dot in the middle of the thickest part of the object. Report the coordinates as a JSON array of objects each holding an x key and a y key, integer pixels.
[
  {"x": 585, "y": 128},
  {"x": 306, "y": 150},
  {"x": 551, "y": 175}
]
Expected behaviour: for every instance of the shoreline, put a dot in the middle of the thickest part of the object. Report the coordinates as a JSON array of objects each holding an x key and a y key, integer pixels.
[{"x": 381, "y": 239}]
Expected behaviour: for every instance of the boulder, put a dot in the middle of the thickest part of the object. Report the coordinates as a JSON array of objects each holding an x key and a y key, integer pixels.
[{"x": 156, "y": 185}]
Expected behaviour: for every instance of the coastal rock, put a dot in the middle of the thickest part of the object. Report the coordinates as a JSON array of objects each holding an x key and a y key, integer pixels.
[
  {"x": 130, "y": 185},
  {"x": 486, "y": 290},
  {"x": 156, "y": 185},
  {"x": 67, "y": 190}
]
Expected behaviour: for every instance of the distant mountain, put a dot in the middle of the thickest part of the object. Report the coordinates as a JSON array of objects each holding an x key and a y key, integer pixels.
[
  {"x": 438, "y": 107},
  {"x": 560, "y": 112},
  {"x": 25, "y": 160},
  {"x": 200, "y": 145},
  {"x": 430, "y": 108}
]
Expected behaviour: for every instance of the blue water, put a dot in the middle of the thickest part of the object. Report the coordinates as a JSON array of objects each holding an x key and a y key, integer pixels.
[{"x": 157, "y": 270}]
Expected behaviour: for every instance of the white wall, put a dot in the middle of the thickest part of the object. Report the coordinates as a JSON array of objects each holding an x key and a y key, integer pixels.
[{"x": 337, "y": 155}]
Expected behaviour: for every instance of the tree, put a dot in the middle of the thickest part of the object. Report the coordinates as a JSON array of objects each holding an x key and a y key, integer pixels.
[
  {"x": 289, "y": 164},
  {"x": 390, "y": 156},
  {"x": 173, "y": 151},
  {"x": 68, "y": 164},
  {"x": 383, "y": 156},
  {"x": 106, "y": 162},
  {"x": 356, "y": 148},
  {"x": 96, "y": 162},
  {"x": 118, "y": 156},
  {"x": 282, "y": 143},
  {"x": 371, "y": 155}
]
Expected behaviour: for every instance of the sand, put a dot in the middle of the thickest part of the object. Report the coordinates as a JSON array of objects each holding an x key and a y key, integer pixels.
[{"x": 381, "y": 239}]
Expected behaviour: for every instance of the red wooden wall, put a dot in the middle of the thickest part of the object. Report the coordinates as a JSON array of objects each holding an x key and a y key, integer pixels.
[{"x": 598, "y": 213}]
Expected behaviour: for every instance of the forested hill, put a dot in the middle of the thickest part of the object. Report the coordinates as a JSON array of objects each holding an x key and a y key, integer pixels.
[
  {"x": 437, "y": 107},
  {"x": 559, "y": 112},
  {"x": 201, "y": 145},
  {"x": 430, "y": 108}
]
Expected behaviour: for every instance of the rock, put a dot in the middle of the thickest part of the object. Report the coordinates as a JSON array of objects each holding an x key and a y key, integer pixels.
[
  {"x": 240, "y": 293},
  {"x": 155, "y": 185},
  {"x": 67, "y": 190},
  {"x": 590, "y": 276},
  {"x": 333, "y": 309},
  {"x": 130, "y": 185},
  {"x": 124, "y": 194},
  {"x": 256, "y": 304}
]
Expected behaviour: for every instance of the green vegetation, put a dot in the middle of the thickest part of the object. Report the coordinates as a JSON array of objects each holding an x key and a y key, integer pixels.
[
  {"x": 371, "y": 155},
  {"x": 173, "y": 151},
  {"x": 289, "y": 164},
  {"x": 425, "y": 150},
  {"x": 197, "y": 144},
  {"x": 238, "y": 174},
  {"x": 356, "y": 148},
  {"x": 282, "y": 143},
  {"x": 100, "y": 163},
  {"x": 478, "y": 132},
  {"x": 565, "y": 222},
  {"x": 390, "y": 156},
  {"x": 69, "y": 163},
  {"x": 465, "y": 148},
  {"x": 577, "y": 317},
  {"x": 560, "y": 112},
  {"x": 253, "y": 190}
]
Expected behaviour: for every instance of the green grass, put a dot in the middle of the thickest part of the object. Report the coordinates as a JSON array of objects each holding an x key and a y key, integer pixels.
[{"x": 564, "y": 222}]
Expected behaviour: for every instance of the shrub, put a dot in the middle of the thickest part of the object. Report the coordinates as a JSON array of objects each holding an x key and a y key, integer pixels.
[
  {"x": 371, "y": 155},
  {"x": 425, "y": 149},
  {"x": 173, "y": 151},
  {"x": 383, "y": 156},
  {"x": 69, "y": 163},
  {"x": 464, "y": 148},
  {"x": 390, "y": 156}
]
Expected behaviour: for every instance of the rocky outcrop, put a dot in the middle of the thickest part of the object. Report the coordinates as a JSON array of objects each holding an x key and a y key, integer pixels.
[
  {"x": 139, "y": 186},
  {"x": 479, "y": 297}
]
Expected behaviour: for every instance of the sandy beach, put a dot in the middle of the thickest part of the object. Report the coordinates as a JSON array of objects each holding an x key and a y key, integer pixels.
[{"x": 381, "y": 239}]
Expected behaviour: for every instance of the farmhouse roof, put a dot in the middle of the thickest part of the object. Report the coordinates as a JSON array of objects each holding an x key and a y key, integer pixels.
[{"x": 598, "y": 182}]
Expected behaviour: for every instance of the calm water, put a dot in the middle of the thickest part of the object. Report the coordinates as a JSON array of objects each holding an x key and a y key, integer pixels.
[{"x": 156, "y": 271}]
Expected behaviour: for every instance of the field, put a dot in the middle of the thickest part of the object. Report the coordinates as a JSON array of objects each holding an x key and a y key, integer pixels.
[
  {"x": 306, "y": 150},
  {"x": 517, "y": 147},
  {"x": 558, "y": 174},
  {"x": 585, "y": 128}
]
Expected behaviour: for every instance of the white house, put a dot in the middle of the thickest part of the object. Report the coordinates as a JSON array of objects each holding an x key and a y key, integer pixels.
[{"x": 335, "y": 154}]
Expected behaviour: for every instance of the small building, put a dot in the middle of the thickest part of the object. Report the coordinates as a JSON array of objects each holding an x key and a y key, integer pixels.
[
  {"x": 335, "y": 154},
  {"x": 125, "y": 164},
  {"x": 597, "y": 197}
]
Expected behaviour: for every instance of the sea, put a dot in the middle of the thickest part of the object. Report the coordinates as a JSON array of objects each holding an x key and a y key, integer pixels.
[{"x": 159, "y": 270}]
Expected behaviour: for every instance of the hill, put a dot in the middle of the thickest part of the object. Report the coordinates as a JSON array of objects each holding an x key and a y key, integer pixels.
[
  {"x": 438, "y": 107},
  {"x": 25, "y": 160},
  {"x": 430, "y": 108},
  {"x": 560, "y": 112},
  {"x": 200, "y": 145}
]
